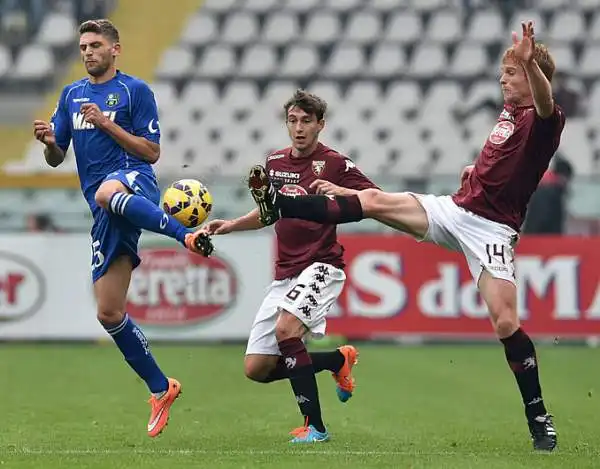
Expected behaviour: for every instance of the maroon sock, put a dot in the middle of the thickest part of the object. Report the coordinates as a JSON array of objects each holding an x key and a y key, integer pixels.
[
  {"x": 321, "y": 208},
  {"x": 303, "y": 381},
  {"x": 522, "y": 359}
]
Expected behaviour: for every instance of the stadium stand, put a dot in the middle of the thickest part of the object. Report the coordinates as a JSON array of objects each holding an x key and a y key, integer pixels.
[{"x": 411, "y": 84}]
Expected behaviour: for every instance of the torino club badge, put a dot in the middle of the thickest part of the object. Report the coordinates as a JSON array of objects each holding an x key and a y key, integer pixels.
[{"x": 318, "y": 167}]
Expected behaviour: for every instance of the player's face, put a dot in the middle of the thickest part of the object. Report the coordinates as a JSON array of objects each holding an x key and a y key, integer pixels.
[
  {"x": 303, "y": 128},
  {"x": 97, "y": 53},
  {"x": 513, "y": 81}
]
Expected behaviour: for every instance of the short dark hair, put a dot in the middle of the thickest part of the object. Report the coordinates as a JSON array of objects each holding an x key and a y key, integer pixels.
[
  {"x": 102, "y": 26},
  {"x": 308, "y": 102}
]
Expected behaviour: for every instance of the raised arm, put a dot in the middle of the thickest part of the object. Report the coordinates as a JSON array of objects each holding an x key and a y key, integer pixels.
[{"x": 540, "y": 86}]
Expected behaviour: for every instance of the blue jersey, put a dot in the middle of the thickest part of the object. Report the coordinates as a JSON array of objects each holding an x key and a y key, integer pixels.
[{"x": 127, "y": 101}]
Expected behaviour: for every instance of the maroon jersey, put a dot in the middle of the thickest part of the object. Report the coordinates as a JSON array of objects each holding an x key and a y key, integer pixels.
[
  {"x": 300, "y": 242},
  {"x": 511, "y": 164}
]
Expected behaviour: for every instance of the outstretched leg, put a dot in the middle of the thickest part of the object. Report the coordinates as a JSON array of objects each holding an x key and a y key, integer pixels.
[
  {"x": 401, "y": 211},
  {"x": 117, "y": 198}
]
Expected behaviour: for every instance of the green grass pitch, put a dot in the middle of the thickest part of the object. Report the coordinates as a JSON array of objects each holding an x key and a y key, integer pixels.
[{"x": 79, "y": 406}]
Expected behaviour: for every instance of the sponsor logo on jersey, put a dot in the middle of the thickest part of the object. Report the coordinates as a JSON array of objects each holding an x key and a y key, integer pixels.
[
  {"x": 276, "y": 156},
  {"x": 112, "y": 99},
  {"x": 284, "y": 176},
  {"x": 80, "y": 124},
  {"x": 293, "y": 190},
  {"x": 81, "y": 100},
  {"x": 318, "y": 167},
  {"x": 22, "y": 287},
  {"x": 505, "y": 115},
  {"x": 501, "y": 132},
  {"x": 174, "y": 288}
]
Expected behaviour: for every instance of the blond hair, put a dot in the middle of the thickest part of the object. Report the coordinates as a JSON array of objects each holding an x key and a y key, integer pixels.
[{"x": 541, "y": 55}]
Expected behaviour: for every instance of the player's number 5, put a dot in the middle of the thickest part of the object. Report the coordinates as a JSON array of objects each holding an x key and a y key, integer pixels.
[{"x": 97, "y": 256}]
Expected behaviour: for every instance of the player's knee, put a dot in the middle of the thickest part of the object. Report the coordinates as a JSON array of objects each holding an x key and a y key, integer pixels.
[
  {"x": 103, "y": 196},
  {"x": 106, "y": 191},
  {"x": 109, "y": 316},
  {"x": 288, "y": 326},
  {"x": 257, "y": 370},
  {"x": 506, "y": 323}
]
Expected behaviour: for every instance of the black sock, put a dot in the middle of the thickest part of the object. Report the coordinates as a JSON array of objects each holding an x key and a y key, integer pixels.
[
  {"x": 332, "y": 361},
  {"x": 521, "y": 357},
  {"x": 303, "y": 381},
  {"x": 278, "y": 373},
  {"x": 320, "y": 208}
]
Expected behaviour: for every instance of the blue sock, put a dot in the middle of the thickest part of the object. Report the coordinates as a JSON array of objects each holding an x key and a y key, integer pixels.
[
  {"x": 144, "y": 214},
  {"x": 134, "y": 347}
]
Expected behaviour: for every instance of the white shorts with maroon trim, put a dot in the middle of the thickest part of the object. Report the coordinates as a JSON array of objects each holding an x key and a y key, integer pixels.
[
  {"x": 309, "y": 297},
  {"x": 486, "y": 244}
]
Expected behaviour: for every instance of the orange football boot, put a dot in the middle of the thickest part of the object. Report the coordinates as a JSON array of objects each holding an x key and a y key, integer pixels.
[
  {"x": 343, "y": 378},
  {"x": 159, "y": 415}
]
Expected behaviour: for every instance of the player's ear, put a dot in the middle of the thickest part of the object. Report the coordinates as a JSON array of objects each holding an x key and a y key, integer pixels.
[
  {"x": 116, "y": 49},
  {"x": 321, "y": 124}
]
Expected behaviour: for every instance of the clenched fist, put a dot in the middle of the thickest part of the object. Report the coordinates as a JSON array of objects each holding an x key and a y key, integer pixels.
[{"x": 43, "y": 132}]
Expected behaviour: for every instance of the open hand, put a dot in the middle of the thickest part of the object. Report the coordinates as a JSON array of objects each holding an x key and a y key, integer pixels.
[
  {"x": 525, "y": 47},
  {"x": 323, "y": 187},
  {"x": 217, "y": 227}
]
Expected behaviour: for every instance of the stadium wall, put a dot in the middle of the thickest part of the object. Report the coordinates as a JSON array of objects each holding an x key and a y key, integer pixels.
[{"x": 394, "y": 289}]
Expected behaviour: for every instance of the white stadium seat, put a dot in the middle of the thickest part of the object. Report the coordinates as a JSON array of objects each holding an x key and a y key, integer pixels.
[
  {"x": 57, "y": 29},
  {"x": 200, "y": 29},
  {"x": 281, "y": 28},
  {"x": 176, "y": 62},
  {"x": 33, "y": 62}
]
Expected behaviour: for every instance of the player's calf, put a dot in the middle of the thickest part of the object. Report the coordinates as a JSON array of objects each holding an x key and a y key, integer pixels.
[{"x": 289, "y": 331}]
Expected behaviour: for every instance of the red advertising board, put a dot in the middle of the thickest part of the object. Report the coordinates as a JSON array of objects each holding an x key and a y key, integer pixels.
[{"x": 397, "y": 286}]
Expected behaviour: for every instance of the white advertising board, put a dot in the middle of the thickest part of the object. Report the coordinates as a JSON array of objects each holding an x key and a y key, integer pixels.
[{"x": 46, "y": 290}]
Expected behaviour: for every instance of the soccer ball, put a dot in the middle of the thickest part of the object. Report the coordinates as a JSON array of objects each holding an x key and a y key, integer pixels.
[{"x": 188, "y": 201}]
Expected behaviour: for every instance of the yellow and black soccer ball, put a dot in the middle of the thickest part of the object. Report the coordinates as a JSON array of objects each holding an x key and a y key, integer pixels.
[{"x": 188, "y": 201}]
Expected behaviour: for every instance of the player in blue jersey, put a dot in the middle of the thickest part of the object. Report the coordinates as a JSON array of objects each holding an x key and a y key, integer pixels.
[{"x": 112, "y": 120}]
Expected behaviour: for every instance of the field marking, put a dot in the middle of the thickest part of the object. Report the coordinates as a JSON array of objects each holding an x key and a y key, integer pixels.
[
  {"x": 216, "y": 452},
  {"x": 249, "y": 452}
]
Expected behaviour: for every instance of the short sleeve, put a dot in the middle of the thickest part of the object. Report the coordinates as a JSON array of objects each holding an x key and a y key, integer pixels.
[
  {"x": 144, "y": 113},
  {"x": 60, "y": 122},
  {"x": 351, "y": 177}
]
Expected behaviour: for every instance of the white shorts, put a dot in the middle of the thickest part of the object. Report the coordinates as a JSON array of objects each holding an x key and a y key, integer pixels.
[
  {"x": 309, "y": 296},
  {"x": 486, "y": 244}
]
